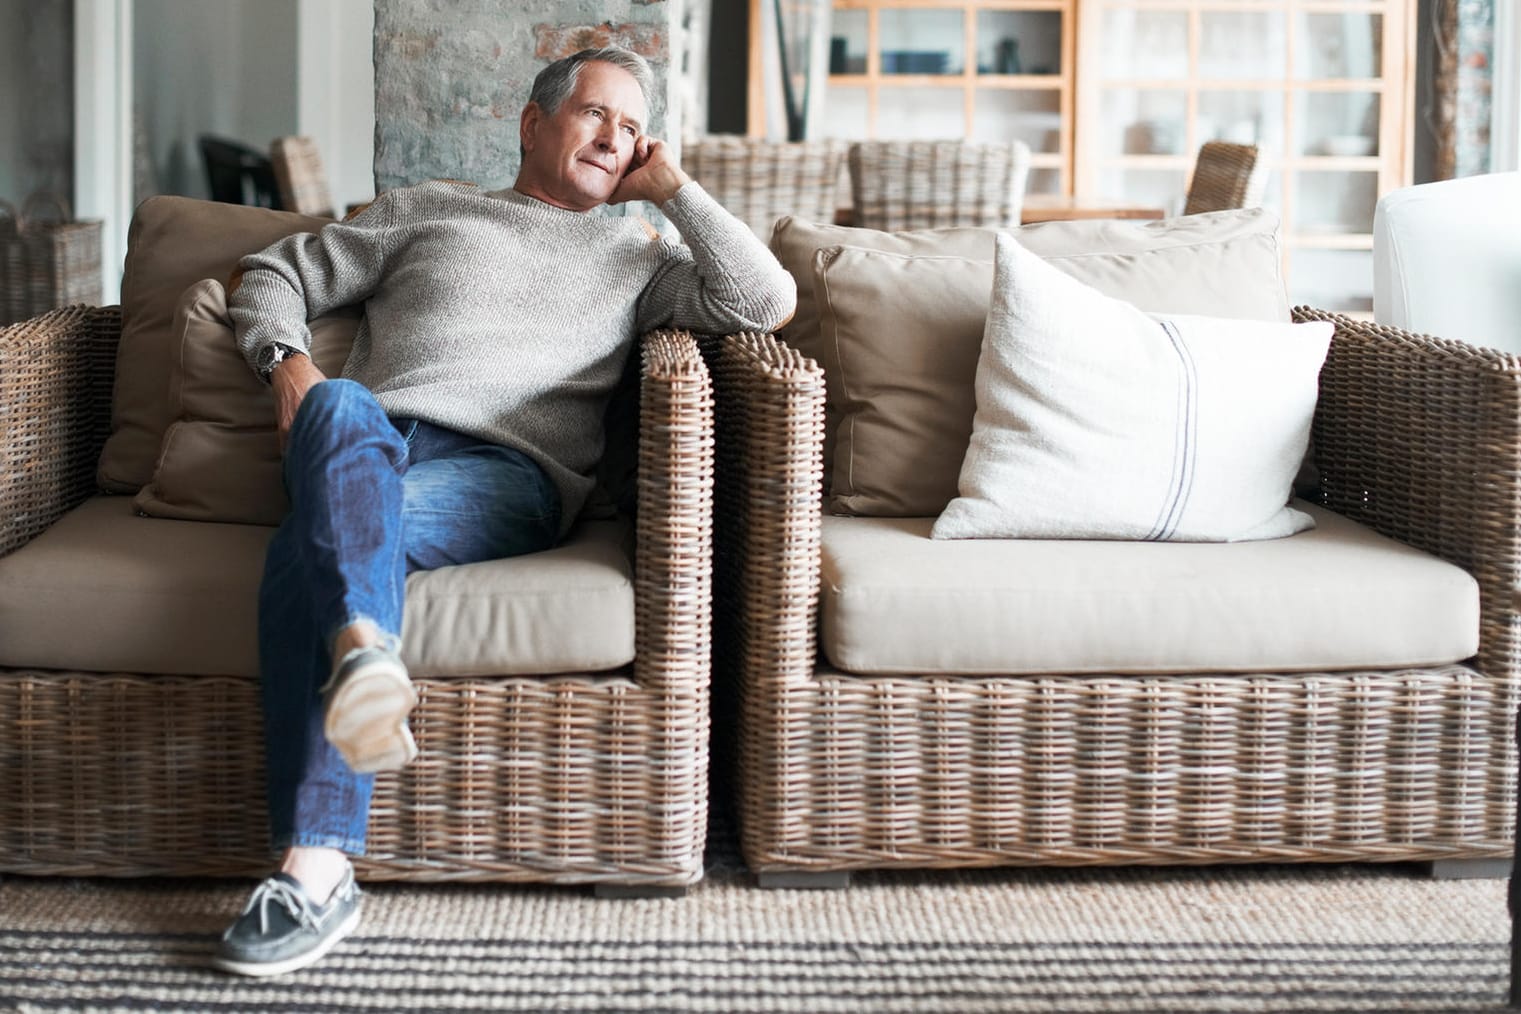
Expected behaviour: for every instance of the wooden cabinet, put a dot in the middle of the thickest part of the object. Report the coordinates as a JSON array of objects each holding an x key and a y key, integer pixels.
[
  {"x": 988, "y": 70},
  {"x": 1322, "y": 87}
]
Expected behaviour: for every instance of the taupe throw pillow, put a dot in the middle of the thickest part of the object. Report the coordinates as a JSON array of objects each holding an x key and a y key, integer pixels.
[
  {"x": 220, "y": 458},
  {"x": 1223, "y": 264},
  {"x": 173, "y": 242},
  {"x": 903, "y": 335}
]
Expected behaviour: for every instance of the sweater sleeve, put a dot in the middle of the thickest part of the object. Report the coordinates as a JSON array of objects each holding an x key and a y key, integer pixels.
[
  {"x": 722, "y": 281},
  {"x": 306, "y": 275}
]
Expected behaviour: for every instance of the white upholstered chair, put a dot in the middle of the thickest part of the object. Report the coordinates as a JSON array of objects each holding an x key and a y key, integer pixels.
[{"x": 1447, "y": 259}]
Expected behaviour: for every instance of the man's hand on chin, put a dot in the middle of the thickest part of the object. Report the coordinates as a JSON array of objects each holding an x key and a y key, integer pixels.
[{"x": 653, "y": 175}]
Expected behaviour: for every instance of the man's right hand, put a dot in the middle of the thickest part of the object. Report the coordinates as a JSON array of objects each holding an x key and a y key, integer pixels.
[{"x": 291, "y": 379}]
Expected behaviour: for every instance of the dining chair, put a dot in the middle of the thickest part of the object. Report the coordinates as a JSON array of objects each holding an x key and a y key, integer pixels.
[
  {"x": 299, "y": 173},
  {"x": 899, "y": 185},
  {"x": 760, "y": 180},
  {"x": 238, "y": 174},
  {"x": 1226, "y": 176}
]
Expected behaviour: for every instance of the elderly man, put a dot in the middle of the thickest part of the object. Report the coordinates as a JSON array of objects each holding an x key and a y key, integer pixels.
[{"x": 465, "y": 428}]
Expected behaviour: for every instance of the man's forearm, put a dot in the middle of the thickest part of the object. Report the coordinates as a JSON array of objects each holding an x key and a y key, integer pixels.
[{"x": 732, "y": 282}]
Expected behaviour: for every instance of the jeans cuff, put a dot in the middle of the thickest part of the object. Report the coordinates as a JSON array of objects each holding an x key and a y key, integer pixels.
[{"x": 319, "y": 840}]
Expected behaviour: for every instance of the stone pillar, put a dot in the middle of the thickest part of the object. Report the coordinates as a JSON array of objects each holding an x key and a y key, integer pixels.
[{"x": 452, "y": 76}]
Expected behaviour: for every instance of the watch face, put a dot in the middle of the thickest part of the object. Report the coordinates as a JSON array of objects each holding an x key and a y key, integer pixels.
[{"x": 270, "y": 356}]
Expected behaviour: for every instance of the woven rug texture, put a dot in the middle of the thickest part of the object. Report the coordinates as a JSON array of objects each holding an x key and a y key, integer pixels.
[{"x": 1256, "y": 938}]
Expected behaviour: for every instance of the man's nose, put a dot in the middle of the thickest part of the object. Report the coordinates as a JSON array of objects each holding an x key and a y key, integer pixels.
[{"x": 607, "y": 136}]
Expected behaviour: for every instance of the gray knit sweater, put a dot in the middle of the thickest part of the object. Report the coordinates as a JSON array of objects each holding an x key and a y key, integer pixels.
[{"x": 500, "y": 316}]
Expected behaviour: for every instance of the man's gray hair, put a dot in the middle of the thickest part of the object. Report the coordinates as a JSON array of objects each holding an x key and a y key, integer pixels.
[{"x": 555, "y": 83}]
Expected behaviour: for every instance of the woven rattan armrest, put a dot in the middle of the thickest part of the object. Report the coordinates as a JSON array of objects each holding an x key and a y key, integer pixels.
[
  {"x": 674, "y": 526},
  {"x": 1420, "y": 438},
  {"x": 770, "y": 429},
  {"x": 55, "y": 404}
]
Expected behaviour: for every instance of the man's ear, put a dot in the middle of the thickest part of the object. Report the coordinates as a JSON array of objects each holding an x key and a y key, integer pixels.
[{"x": 528, "y": 125}]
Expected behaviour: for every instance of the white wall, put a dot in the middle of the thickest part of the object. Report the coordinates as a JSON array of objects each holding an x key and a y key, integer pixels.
[
  {"x": 336, "y": 101},
  {"x": 252, "y": 71},
  {"x": 13, "y": 64},
  {"x": 222, "y": 67}
]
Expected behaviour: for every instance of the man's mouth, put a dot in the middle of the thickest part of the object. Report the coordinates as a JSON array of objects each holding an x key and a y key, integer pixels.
[{"x": 593, "y": 162}]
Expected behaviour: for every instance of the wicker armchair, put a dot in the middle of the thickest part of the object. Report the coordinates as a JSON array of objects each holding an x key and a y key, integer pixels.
[
  {"x": 899, "y": 185},
  {"x": 597, "y": 777},
  {"x": 299, "y": 174},
  {"x": 1416, "y": 437},
  {"x": 1225, "y": 176},
  {"x": 759, "y": 180}
]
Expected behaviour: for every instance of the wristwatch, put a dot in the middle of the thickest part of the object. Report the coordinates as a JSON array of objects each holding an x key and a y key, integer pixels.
[{"x": 273, "y": 355}]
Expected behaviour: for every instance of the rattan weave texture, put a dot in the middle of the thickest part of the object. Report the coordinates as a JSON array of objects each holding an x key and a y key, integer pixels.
[
  {"x": 52, "y": 260},
  {"x": 56, "y": 372},
  {"x": 15, "y": 296},
  {"x": 563, "y": 778},
  {"x": 1225, "y": 176},
  {"x": 1416, "y": 437},
  {"x": 299, "y": 175},
  {"x": 759, "y": 181},
  {"x": 898, "y": 185}
]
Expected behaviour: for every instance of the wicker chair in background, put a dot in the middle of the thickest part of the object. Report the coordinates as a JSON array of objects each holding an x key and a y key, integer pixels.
[
  {"x": 759, "y": 181},
  {"x": 299, "y": 174},
  {"x": 1225, "y": 176},
  {"x": 899, "y": 185}
]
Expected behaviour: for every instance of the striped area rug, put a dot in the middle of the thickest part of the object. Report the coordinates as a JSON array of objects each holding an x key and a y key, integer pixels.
[{"x": 1265, "y": 938}]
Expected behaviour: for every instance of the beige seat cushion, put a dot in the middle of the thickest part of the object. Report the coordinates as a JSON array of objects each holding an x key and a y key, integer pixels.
[
  {"x": 105, "y": 590},
  {"x": 220, "y": 460},
  {"x": 173, "y": 242},
  {"x": 1336, "y": 597}
]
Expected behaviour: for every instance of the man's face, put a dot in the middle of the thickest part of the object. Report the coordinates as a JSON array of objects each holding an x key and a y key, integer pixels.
[{"x": 576, "y": 157}]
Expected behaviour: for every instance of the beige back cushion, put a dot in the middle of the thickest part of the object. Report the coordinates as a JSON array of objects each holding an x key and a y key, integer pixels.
[
  {"x": 896, "y": 321},
  {"x": 220, "y": 459},
  {"x": 173, "y": 242}
]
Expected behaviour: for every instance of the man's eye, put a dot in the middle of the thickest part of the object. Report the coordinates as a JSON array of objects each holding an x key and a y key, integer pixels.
[{"x": 630, "y": 131}]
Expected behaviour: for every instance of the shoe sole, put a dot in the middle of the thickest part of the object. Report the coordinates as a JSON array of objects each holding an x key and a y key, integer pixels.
[
  {"x": 264, "y": 969},
  {"x": 366, "y": 718}
]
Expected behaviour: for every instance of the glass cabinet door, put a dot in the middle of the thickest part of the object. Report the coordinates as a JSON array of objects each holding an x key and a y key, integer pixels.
[
  {"x": 1322, "y": 88},
  {"x": 1338, "y": 45},
  {"x": 914, "y": 40},
  {"x": 1019, "y": 42}
]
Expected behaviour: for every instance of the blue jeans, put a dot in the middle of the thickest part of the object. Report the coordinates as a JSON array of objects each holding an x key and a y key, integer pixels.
[{"x": 371, "y": 501}]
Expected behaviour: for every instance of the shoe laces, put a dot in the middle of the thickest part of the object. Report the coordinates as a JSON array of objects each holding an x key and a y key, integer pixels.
[
  {"x": 388, "y": 644},
  {"x": 288, "y": 897}
]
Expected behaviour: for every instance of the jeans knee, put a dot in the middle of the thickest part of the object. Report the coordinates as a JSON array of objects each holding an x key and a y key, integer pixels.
[
  {"x": 339, "y": 415},
  {"x": 336, "y": 411},
  {"x": 335, "y": 399}
]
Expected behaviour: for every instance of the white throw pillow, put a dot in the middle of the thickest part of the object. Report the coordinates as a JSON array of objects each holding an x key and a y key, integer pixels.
[{"x": 1098, "y": 421}]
